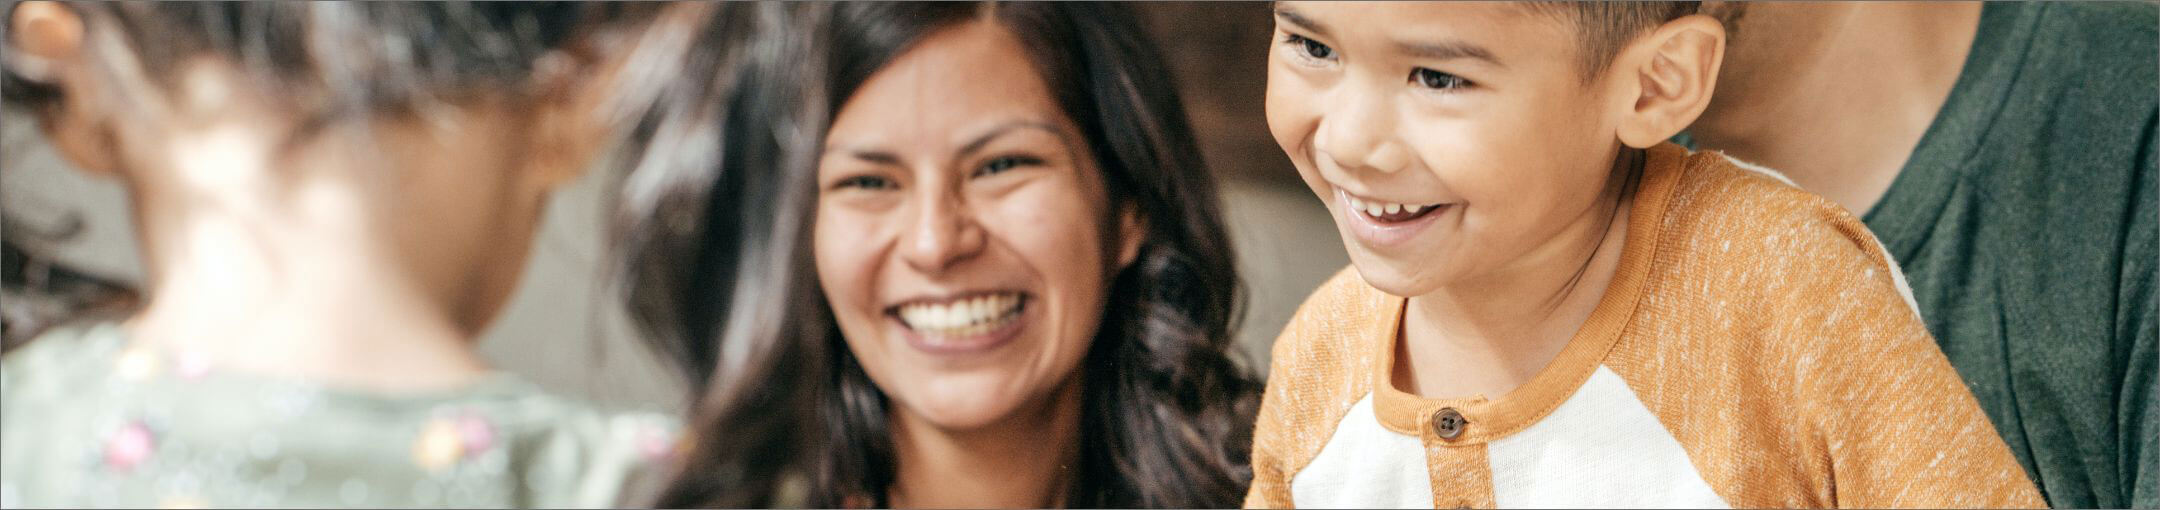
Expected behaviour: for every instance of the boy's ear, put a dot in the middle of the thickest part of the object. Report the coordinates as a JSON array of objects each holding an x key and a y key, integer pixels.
[
  {"x": 1677, "y": 66},
  {"x": 45, "y": 45}
]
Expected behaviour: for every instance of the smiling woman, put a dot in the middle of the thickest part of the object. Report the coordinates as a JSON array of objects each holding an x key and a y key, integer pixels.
[
  {"x": 965, "y": 248},
  {"x": 1026, "y": 283},
  {"x": 1032, "y": 273}
]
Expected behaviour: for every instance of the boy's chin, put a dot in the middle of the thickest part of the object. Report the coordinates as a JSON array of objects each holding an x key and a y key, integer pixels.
[{"x": 1395, "y": 277}]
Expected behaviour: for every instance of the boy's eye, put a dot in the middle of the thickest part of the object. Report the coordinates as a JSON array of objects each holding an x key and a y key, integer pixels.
[
  {"x": 1437, "y": 80},
  {"x": 866, "y": 182},
  {"x": 1002, "y": 163},
  {"x": 1310, "y": 48}
]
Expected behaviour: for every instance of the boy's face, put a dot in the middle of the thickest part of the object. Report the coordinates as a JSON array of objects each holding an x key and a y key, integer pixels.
[{"x": 1448, "y": 140}]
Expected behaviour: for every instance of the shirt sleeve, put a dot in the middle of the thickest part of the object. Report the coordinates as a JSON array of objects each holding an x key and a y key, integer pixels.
[
  {"x": 2139, "y": 453},
  {"x": 1896, "y": 424},
  {"x": 1271, "y": 482}
]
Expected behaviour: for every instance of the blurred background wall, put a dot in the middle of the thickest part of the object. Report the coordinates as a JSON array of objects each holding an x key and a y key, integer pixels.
[{"x": 563, "y": 330}]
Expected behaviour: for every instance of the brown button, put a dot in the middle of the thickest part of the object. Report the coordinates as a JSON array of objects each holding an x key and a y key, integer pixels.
[{"x": 1448, "y": 423}]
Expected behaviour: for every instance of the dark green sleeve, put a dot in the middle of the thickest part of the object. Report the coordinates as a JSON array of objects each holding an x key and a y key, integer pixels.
[{"x": 2140, "y": 325}]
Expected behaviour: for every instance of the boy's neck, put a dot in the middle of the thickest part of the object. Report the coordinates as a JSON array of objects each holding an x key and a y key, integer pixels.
[
  {"x": 1026, "y": 462},
  {"x": 1488, "y": 336},
  {"x": 1841, "y": 110},
  {"x": 287, "y": 284}
]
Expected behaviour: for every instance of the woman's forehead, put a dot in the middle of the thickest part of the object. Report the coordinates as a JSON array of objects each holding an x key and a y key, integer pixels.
[{"x": 952, "y": 88}]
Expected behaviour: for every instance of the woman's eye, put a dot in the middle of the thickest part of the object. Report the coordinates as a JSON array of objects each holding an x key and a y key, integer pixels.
[
  {"x": 1310, "y": 48},
  {"x": 1437, "y": 80},
  {"x": 867, "y": 182},
  {"x": 1001, "y": 164}
]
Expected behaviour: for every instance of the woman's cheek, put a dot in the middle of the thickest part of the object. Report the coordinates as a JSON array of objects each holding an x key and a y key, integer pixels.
[
  {"x": 1051, "y": 221},
  {"x": 846, "y": 250}
]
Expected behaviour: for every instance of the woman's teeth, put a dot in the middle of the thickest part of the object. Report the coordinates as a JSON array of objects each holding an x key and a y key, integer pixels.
[
  {"x": 1386, "y": 211},
  {"x": 964, "y": 317}
]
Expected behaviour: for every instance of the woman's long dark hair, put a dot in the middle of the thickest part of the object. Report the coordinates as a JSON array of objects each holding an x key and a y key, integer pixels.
[
  {"x": 711, "y": 248},
  {"x": 783, "y": 414}
]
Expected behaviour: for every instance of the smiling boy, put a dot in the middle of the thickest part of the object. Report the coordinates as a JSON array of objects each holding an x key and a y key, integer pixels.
[{"x": 1551, "y": 307}]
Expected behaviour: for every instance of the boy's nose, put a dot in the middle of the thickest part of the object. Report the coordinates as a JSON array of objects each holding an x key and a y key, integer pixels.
[{"x": 1360, "y": 134}]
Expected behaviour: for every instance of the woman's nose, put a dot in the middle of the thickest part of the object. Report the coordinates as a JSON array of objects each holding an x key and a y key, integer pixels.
[{"x": 943, "y": 233}]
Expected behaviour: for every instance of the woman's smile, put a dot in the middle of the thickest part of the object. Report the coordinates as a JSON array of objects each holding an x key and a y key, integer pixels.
[{"x": 963, "y": 323}]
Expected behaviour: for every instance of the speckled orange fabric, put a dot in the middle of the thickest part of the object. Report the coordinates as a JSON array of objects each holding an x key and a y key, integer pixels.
[{"x": 1760, "y": 326}]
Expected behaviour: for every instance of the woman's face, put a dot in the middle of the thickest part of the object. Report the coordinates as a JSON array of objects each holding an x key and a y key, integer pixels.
[{"x": 959, "y": 231}]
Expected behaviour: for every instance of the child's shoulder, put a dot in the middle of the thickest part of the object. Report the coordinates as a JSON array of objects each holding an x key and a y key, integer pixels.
[
  {"x": 1718, "y": 190},
  {"x": 61, "y": 361},
  {"x": 1331, "y": 341},
  {"x": 1737, "y": 239},
  {"x": 590, "y": 456},
  {"x": 1323, "y": 365},
  {"x": 1754, "y": 222},
  {"x": 76, "y": 392},
  {"x": 1339, "y": 317}
]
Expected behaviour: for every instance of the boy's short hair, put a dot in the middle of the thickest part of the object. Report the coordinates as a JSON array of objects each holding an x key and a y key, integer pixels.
[{"x": 1603, "y": 28}]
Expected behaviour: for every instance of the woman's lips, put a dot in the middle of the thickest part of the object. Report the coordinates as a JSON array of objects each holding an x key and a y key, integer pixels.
[{"x": 973, "y": 323}]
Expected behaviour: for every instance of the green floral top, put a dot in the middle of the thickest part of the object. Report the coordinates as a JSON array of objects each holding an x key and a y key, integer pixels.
[{"x": 89, "y": 420}]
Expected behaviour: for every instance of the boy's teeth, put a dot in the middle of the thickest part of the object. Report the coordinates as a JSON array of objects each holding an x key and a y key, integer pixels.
[
  {"x": 969, "y": 316},
  {"x": 1379, "y": 209}
]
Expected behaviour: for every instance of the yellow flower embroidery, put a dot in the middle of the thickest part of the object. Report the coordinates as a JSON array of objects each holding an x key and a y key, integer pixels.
[
  {"x": 439, "y": 446},
  {"x": 136, "y": 364}
]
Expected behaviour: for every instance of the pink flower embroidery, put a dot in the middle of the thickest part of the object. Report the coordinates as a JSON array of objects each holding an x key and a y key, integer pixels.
[
  {"x": 477, "y": 433},
  {"x": 191, "y": 365},
  {"x": 128, "y": 447},
  {"x": 446, "y": 441}
]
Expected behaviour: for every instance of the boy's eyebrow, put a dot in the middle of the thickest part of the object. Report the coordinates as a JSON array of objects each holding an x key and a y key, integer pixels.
[
  {"x": 1301, "y": 21},
  {"x": 1448, "y": 50},
  {"x": 1443, "y": 50}
]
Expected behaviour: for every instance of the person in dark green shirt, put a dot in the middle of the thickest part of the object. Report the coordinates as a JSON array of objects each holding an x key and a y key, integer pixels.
[{"x": 2004, "y": 154}]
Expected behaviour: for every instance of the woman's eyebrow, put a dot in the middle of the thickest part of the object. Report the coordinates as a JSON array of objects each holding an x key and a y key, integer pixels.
[
  {"x": 977, "y": 143},
  {"x": 879, "y": 156}
]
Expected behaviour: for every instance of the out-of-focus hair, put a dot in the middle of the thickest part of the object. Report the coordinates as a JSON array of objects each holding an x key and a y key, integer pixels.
[
  {"x": 331, "y": 60},
  {"x": 712, "y": 250}
]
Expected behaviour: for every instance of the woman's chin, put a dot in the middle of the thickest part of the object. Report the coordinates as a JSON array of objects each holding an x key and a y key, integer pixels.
[
  {"x": 960, "y": 402},
  {"x": 960, "y": 416}
]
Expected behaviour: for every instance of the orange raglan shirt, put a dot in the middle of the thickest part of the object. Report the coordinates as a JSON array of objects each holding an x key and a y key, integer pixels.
[{"x": 1755, "y": 349}]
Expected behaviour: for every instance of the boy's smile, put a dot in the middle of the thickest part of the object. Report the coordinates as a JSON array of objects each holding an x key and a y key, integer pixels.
[
  {"x": 1450, "y": 141},
  {"x": 1382, "y": 223}
]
